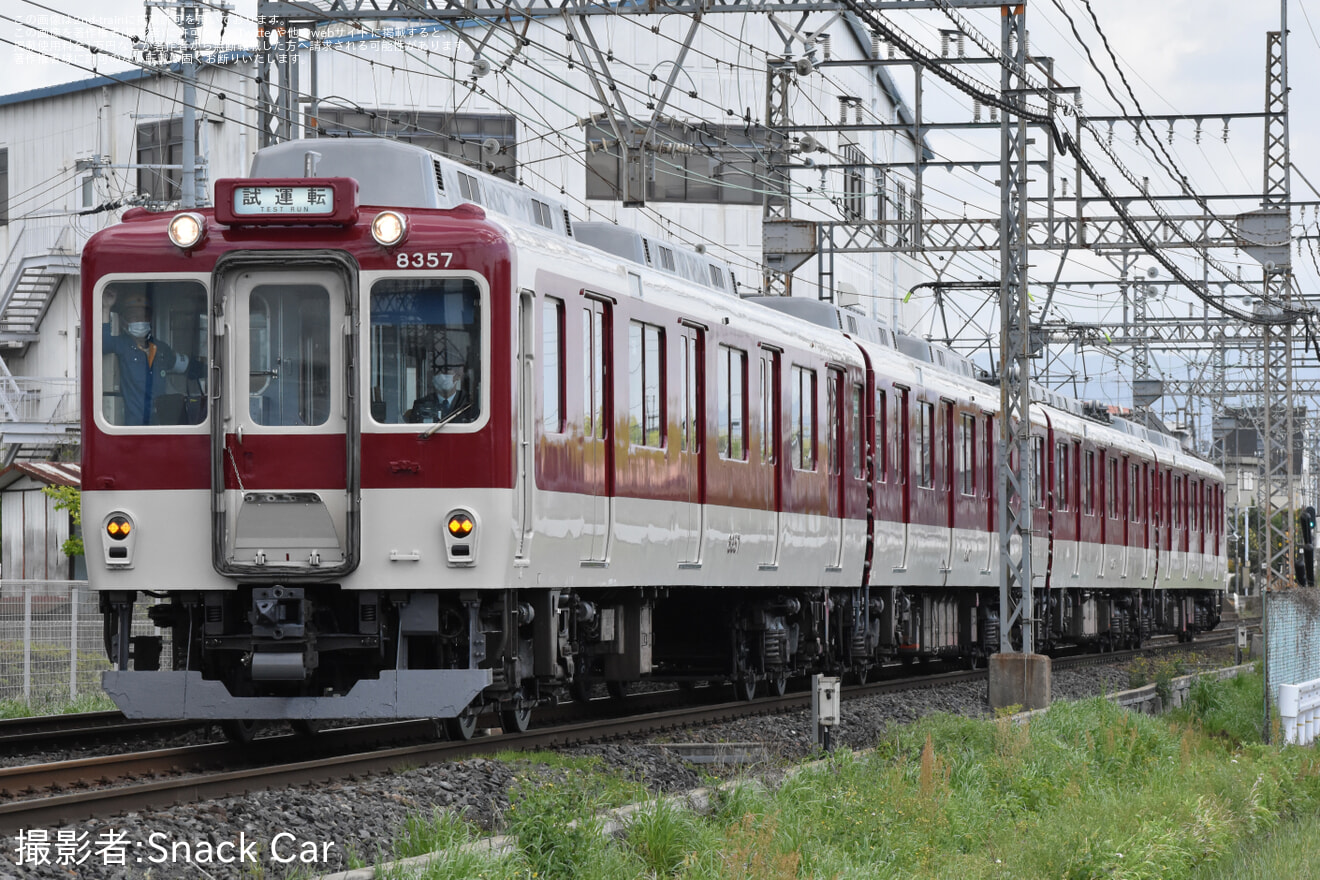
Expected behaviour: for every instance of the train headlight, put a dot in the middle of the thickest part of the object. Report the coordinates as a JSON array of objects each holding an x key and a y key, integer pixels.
[
  {"x": 461, "y": 538},
  {"x": 389, "y": 228},
  {"x": 187, "y": 230},
  {"x": 120, "y": 540}
]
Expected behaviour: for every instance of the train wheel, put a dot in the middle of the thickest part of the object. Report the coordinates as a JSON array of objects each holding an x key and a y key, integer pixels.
[
  {"x": 777, "y": 684},
  {"x": 239, "y": 731},
  {"x": 518, "y": 718},
  {"x": 745, "y": 687},
  {"x": 462, "y": 728},
  {"x": 618, "y": 690},
  {"x": 306, "y": 727}
]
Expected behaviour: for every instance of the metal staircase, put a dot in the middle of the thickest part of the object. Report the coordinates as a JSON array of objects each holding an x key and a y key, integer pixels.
[
  {"x": 39, "y": 417},
  {"x": 28, "y": 296}
]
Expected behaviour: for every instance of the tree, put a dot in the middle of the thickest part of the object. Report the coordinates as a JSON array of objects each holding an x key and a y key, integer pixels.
[{"x": 70, "y": 499}]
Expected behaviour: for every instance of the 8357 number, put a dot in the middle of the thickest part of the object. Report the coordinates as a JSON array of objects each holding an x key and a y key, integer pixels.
[{"x": 427, "y": 260}]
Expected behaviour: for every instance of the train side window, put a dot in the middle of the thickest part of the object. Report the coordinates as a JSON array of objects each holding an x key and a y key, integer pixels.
[
  {"x": 833, "y": 384},
  {"x": 646, "y": 384},
  {"x": 552, "y": 366},
  {"x": 154, "y": 353},
  {"x": 1061, "y": 476},
  {"x": 1134, "y": 492},
  {"x": 802, "y": 435},
  {"x": 882, "y": 436},
  {"x": 1111, "y": 487},
  {"x": 733, "y": 403},
  {"x": 967, "y": 458},
  {"x": 593, "y": 373},
  {"x": 926, "y": 443},
  {"x": 859, "y": 433},
  {"x": 768, "y": 409},
  {"x": 1088, "y": 483},
  {"x": 1038, "y": 472},
  {"x": 690, "y": 434},
  {"x": 426, "y": 359}
]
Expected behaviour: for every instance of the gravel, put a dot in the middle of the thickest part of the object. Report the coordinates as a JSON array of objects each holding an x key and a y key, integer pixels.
[{"x": 363, "y": 816}]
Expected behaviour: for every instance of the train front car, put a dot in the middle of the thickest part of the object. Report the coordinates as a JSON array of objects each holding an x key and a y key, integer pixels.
[{"x": 295, "y": 451}]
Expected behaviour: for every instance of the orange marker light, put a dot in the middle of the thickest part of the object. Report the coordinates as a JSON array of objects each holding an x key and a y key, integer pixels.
[{"x": 118, "y": 527}]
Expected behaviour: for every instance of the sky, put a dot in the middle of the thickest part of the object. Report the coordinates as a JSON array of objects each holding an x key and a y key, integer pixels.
[{"x": 1180, "y": 57}]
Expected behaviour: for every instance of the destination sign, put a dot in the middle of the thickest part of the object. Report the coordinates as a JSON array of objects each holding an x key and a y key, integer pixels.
[{"x": 251, "y": 201}]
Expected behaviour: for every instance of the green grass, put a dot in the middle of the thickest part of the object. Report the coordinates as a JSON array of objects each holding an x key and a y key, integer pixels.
[
  {"x": 1288, "y": 852},
  {"x": 1085, "y": 790},
  {"x": 89, "y": 702}
]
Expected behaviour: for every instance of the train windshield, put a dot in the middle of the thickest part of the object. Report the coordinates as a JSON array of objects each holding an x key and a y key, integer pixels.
[
  {"x": 426, "y": 364},
  {"x": 153, "y": 353}
]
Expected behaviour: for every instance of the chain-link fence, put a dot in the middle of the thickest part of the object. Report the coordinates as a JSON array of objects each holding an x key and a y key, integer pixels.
[{"x": 52, "y": 643}]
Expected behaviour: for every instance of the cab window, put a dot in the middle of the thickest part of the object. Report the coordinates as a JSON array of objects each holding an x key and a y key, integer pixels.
[
  {"x": 427, "y": 365},
  {"x": 153, "y": 353}
]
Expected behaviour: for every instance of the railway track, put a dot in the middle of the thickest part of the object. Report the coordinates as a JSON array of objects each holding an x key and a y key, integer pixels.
[
  {"x": 57, "y": 793},
  {"x": 81, "y": 728}
]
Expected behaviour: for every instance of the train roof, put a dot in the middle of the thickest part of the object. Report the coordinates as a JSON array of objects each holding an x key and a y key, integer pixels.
[
  {"x": 406, "y": 176},
  {"x": 827, "y": 314},
  {"x": 675, "y": 259},
  {"x": 403, "y": 175}
]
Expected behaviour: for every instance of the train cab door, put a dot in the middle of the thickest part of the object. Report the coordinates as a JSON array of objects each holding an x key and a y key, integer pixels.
[
  {"x": 284, "y": 452},
  {"x": 692, "y": 438},
  {"x": 597, "y": 424}
]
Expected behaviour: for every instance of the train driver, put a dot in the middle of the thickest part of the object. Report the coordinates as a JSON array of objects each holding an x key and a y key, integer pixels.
[
  {"x": 447, "y": 401},
  {"x": 144, "y": 362}
]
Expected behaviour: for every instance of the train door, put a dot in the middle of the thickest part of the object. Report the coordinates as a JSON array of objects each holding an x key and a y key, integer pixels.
[
  {"x": 692, "y": 431},
  {"x": 1129, "y": 509},
  {"x": 597, "y": 424},
  {"x": 1103, "y": 505},
  {"x": 1078, "y": 499},
  {"x": 1045, "y": 499},
  {"x": 526, "y": 421},
  {"x": 284, "y": 451},
  {"x": 838, "y": 448},
  {"x": 988, "y": 494},
  {"x": 948, "y": 490},
  {"x": 904, "y": 473}
]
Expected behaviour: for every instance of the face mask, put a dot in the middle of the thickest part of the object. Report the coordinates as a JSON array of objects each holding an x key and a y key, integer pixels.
[
  {"x": 444, "y": 383},
  {"x": 139, "y": 329}
]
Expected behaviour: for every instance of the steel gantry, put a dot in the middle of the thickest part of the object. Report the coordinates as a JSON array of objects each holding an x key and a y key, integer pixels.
[
  {"x": 1277, "y": 342},
  {"x": 1016, "y": 606}
]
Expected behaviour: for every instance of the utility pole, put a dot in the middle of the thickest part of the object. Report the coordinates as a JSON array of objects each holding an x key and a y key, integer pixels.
[{"x": 188, "y": 16}]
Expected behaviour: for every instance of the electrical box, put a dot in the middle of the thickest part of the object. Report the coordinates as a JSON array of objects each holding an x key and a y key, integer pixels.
[{"x": 826, "y": 699}]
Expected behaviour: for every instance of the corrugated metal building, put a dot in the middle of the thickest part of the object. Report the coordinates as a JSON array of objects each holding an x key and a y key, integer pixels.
[{"x": 32, "y": 530}]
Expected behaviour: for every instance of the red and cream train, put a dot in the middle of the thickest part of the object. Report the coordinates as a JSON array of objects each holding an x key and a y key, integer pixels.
[{"x": 387, "y": 437}]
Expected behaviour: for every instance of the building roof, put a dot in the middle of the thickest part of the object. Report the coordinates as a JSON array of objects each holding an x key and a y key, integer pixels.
[{"x": 52, "y": 473}]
